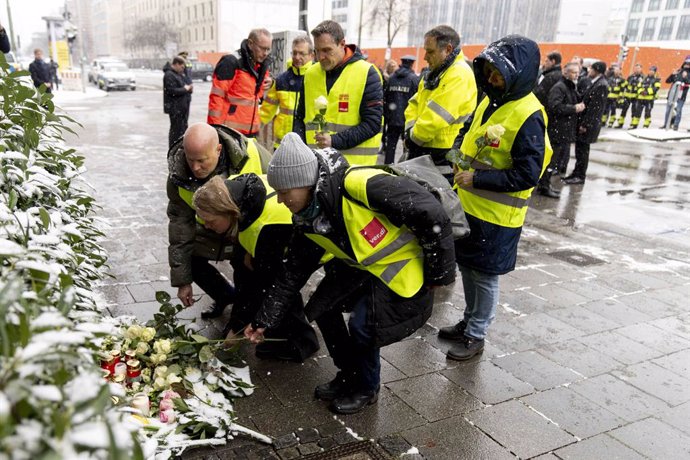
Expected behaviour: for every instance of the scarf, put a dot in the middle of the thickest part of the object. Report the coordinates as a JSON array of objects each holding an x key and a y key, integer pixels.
[{"x": 433, "y": 78}]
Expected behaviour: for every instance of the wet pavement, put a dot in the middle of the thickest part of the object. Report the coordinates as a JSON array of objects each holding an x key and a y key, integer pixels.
[{"x": 589, "y": 355}]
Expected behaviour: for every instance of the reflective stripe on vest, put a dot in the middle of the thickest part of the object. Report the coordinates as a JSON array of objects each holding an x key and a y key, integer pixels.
[
  {"x": 342, "y": 113},
  {"x": 390, "y": 253},
  {"x": 272, "y": 213},
  {"x": 507, "y": 209}
]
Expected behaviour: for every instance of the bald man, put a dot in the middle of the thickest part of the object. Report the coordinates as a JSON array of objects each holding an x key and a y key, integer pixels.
[{"x": 203, "y": 152}]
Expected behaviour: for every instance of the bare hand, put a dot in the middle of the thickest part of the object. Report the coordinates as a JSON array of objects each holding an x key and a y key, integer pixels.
[
  {"x": 268, "y": 81},
  {"x": 579, "y": 107},
  {"x": 248, "y": 261},
  {"x": 323, "y": 140},
  {"x": 185, "y": 293},
  {"x": 464, "y": 178},
  {"x": 581, "y": 130},
  {"x": 254, "y": 335}
]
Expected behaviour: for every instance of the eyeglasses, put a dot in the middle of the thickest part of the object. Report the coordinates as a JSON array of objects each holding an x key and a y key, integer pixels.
[
  {"x": 298, "y": 54},
  {"x": 262, "y": 48}
]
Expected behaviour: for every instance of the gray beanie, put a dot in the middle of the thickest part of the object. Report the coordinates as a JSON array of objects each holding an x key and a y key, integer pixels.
[{"x": 293, "y": 165}]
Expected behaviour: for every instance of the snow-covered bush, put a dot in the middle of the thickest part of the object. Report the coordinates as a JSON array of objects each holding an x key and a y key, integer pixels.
[{"x": 54, "y": 402}]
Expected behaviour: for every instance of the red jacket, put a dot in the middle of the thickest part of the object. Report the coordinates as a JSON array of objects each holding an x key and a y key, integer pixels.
[{"x": 236, "y": 92}]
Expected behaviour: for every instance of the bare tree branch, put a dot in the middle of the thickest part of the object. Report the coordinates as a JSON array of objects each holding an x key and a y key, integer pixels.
[{"x": 391, "y": 14}]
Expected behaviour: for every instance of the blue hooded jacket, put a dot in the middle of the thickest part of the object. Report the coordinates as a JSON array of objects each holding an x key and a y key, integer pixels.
[{"x": 492, "y": 248}]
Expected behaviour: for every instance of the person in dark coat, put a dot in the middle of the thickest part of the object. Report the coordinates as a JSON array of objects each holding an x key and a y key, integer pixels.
[
  {"x": 247, "y": 213},
  {"x": 4, "y": 40},
  {"x": 40, "y": 71},
  {"x": 589, "y": 122},
  {"x": 495, "y": 190},
  {"x": 402, "y": 85},
  {"x": 551, "y": 74},
  {"x": 583, "y": 80},
  {"x": 562, "y": 109},
  {"x": 682, "y": 77},
  {"x": 391, "y": 243},
  {"x": 176, "y": 98},
  {"x": 54, "y": 77}
]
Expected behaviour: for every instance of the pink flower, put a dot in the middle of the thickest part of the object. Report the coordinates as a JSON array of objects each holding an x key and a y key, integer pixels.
[
  {"x": 165, "y": 404},
  {"x": 170, "y": 394},
  {"x": 168, "y": 416}
]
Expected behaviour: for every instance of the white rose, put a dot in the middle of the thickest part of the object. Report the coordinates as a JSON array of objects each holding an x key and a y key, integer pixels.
[
  {"x": 160, "y": 383},
  {"x": 133, "y": 332},
  {"x": 161, "y": 371},
  {"x": 163, "y": 346},
  {"x": 142, "y": 348},
  {"x": 148, "y": 334},
  {"x": 321, "y": 103},
  {"x": 495, "y": 132},
  {"x": 172, "y": 378}
]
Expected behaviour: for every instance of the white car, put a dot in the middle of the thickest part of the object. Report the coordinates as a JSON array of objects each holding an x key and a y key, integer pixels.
[
  {"x": 97, "y": 67},
  {"x": 115, "y": 75}
]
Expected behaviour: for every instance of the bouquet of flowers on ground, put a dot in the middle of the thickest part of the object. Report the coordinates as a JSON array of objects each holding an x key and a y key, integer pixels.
[
  {"x": 321, "y": 105},
  {"x": 491, "y": 138},
  {"x": 171, "y": 380}
]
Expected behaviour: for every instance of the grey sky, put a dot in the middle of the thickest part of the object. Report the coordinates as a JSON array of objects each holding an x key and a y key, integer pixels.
[{"x": 27, "y": 14}]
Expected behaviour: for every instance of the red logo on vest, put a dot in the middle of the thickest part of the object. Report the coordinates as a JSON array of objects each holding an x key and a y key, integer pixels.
[
  {"x": 343, "y": 103},
  {"x": 374, "y": 232}
]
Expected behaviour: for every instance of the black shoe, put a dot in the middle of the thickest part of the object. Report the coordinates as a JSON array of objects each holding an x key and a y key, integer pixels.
[
  {"x": 618, "y": 126},
  {"x": 455, "y": 332},
  {"x": 354, "y": 403},
  {"x": 466, "y": 349},
  {"x": 338, "y": 387},
  {"x": 556, "y": 173},
  {"x": 214, "y": 312},
  {"x": 548, "y": 191},
  {"x": 574, "y": 180}
]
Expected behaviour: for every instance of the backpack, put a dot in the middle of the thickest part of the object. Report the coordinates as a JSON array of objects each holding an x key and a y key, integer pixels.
[{"x": 423, "y": 171}]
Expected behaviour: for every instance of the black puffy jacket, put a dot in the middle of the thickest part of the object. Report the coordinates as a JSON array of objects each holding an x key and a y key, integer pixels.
[{"x": 560, "y": 108}]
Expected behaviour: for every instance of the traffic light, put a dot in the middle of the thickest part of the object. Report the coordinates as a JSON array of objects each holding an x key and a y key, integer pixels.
[{"x": 623, "y": 52}]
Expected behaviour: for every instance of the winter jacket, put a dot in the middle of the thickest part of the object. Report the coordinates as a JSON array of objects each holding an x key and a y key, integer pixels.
[
  {"x": 492, "y": 248},
  {"x": 648, "y": 88},
  {"x": 40, "y": 72},
  {"x": 632, "y": 86},
  {"x": 280, "y": 103},
  {"x": 684, "y": 80},
  {"x": 176, "y": 98},
  {"x": 236, "y": 91},
  {"x": 400, "y": 200},
  {"x": 402, "y": 85},
  {"x": 560, "y": 108},
  {"x": 615, "y": 87},
  {"x": 370, "y": 103},
  {"x": 550, "y": 77},
  {"x": 186, "y": 236},
  {"x": 4, "y": 41},
  {"x": 595, "y": 102}
]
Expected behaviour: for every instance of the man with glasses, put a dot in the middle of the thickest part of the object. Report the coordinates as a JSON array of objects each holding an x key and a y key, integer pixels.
[
  {"x": 354, "y": 92},
  {"x": 280, "y": 101},
  {"x": 239, "y": 82}
]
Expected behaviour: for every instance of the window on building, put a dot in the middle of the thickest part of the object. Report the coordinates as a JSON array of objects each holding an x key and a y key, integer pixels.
[
  {"x": 683, "y": 28},
  {"x": 210, "y": 33},
  {"x": 196, "y": 34},
  {"x": 637, "y": 6},
  {"x": 654, "y": 5},
  {"x": 648, "y": 29},
  {"x": 666, "y": 29},
  {"x": 203, "y": 10},
  {"x": 633, "y": 29},
  {"x": 686, "y": 4},
  {"x": 196, "y": 15},
  {"x": 188, "y": 14},
  {"x": 671, "y": 4},
  {"x": 203, "y": 33}
]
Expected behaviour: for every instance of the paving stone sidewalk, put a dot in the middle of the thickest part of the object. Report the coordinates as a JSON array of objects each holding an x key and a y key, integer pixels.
[{"x": 589, "y": 355}]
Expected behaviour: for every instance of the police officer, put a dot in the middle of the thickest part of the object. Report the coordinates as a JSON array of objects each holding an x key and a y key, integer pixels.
[
  {"x": 392, "y": 244},
  {"x": 402, "y": 85},
  {"x": 646, "y": 94}
]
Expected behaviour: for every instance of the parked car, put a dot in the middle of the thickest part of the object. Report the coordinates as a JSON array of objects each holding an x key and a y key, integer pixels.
[
  {"x": 13, "y": 62},
  {"x": 116, "y": 75},
  {"x": 202, "y": 71},
  {"x": 97, "y": 67}
]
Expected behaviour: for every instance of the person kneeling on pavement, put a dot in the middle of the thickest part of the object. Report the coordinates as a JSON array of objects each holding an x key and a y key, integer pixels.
[
  {"x": 205, "y": 151},
  {"x": 496, "y": 188},
  {"x": 246, "y": 211},
  {"x": 392, "y": 244}
]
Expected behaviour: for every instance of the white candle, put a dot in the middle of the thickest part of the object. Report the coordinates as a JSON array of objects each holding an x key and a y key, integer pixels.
[
  {"x": 120, "y": 369},
  {"x": 141, "y": 401}
]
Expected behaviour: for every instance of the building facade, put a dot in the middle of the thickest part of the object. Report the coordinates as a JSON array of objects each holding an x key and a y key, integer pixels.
[{"x": 663, "y": 23}]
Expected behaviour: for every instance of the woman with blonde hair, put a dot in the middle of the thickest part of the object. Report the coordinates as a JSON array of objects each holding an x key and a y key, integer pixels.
[{"x": 246, "y": 211}]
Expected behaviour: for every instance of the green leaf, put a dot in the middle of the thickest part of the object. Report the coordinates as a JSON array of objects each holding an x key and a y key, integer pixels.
[
  {"x": 205, "y": 354},
  {"x": 45, "y": 217},
  {"x": 162, "y": 297},
  {"x": 199, "y": 338},
  {"x": 180, "y": 405},
  {"x": 13, "y": 200}
]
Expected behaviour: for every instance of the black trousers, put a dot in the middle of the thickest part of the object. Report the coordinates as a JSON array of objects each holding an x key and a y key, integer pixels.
[
  {"x": 393, "y": 135},
  {"x": 212, "y": 281},
  {"x": 581, "y": 159},
  {"x": 178, "y": 125},
  {"x": 559, "y": 162},
  {"x": 609, "y": 111}
]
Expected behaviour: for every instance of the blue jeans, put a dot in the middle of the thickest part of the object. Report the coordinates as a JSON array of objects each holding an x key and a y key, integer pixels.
[
  {"x": 481, "y": 298},
  {"x": 675, "y": 122}
]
